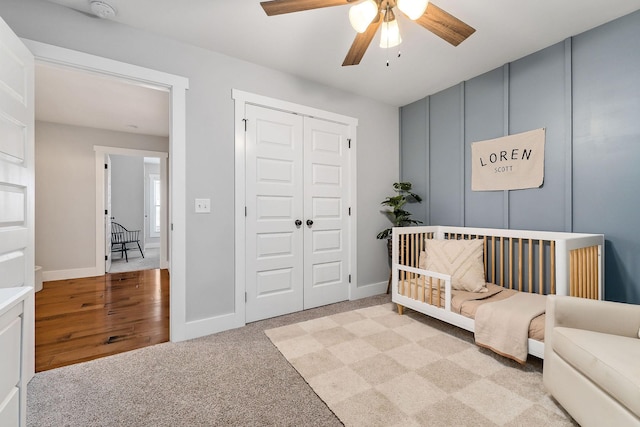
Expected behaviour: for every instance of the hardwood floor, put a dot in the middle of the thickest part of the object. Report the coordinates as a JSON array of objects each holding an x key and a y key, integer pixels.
[{"x": 84, "y": 319}]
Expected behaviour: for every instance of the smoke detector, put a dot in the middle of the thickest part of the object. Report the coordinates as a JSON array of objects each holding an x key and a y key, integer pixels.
[{"x": 102, "y": 9}]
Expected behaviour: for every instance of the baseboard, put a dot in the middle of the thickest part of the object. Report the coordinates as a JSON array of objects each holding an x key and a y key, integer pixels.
[
  {"x": 369, "y": 290},
  {"x": 75, "y": 273},
  {"x": 212, "y": 325},
  {"x": 151, "y": 245}
]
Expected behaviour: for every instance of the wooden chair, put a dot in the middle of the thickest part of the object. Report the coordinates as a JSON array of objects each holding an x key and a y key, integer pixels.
[{"x": 120, "y": 237}]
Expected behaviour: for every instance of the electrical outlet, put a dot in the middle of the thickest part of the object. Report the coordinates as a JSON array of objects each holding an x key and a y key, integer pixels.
[{"x": 203, "y": 205}]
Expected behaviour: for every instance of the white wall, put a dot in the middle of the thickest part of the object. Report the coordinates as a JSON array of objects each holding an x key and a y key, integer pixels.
[
  {"x": 66, "y": 191},
  {"x": 210, "y": 138}
]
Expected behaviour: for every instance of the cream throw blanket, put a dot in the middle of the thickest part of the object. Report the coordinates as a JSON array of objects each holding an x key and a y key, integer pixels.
[{"x": 503, "y": 326}]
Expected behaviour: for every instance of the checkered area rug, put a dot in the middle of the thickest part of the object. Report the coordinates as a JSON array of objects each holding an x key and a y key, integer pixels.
[{"x": 373, "y": 367}]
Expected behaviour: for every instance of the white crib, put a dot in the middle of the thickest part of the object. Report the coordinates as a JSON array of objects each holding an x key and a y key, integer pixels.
[{"x": 526, "y": 261}]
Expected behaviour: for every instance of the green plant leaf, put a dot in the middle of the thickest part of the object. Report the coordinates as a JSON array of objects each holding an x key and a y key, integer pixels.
[{"x": 398, "y": 216}]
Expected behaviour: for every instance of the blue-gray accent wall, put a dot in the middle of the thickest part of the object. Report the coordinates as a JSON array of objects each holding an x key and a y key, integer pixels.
[{"x": 585, "y": 91}]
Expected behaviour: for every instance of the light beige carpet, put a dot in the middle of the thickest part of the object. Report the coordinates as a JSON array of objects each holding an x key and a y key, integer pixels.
[
  {"x": 373, "y": 367},
  {"x": 137, "y": 262}
]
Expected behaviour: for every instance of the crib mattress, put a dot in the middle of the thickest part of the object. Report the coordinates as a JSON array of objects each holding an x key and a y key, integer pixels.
[{"x": 467, "y": 303}]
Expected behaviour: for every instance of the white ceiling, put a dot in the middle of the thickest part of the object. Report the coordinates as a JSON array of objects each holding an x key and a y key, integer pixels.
[
  {"x": 313, "y": 44},
  {"x": 79, "y": 98}
]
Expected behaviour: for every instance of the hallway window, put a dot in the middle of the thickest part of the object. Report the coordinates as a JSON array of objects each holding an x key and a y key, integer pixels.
[{"x": 154, "y": 208}]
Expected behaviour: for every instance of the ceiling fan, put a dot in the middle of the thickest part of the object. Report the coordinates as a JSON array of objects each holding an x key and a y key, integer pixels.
[{"x": 366, "y": 16}]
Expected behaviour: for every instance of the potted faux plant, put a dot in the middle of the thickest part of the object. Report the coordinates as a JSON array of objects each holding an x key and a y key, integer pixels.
[{"x": 397, "y": 215}]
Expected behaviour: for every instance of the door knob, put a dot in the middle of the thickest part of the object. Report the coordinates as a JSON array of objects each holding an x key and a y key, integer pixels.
[
  {"x": 309, "y": 222},
  {"x": 298, "y": 223}
]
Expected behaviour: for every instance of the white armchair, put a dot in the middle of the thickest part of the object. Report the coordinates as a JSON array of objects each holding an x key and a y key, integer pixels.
[{"x": 592, "y": 360}]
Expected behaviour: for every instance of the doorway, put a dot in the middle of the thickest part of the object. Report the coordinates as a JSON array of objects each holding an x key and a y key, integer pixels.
[
  {"x": 135, "y": 220},
  {"x": 177, "y": 87},
  {"x": 84, "y": 306},
  {"x": 135, "y": 195}
]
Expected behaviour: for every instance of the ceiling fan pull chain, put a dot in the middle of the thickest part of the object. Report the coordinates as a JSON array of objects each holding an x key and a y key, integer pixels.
[{"x": 399, "y": 55}]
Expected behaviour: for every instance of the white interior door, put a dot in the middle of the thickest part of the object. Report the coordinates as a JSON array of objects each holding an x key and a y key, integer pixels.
[
  {"x": 17, "y": 172},
  {"x": 274, "y": 243},
  {"x": 297, "y": 212},
  {"x": 107, "y": 213},
  {"x": 326, "y": 209}
]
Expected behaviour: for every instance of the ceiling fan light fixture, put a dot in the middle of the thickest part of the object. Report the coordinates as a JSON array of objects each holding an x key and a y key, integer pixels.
[
  {"x": 414, "y": 9},
  {"x": 390, "y": 32},
  {"x": 362, "y": 14}
]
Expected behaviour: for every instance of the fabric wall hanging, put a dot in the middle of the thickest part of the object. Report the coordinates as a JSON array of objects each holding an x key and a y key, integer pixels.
[{"x": 508, "y": 163}]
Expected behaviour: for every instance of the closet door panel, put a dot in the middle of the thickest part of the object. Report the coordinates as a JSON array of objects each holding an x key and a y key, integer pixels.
[
  {"x": 274, "y": 202},
  {"x": 326, "y": 210}
]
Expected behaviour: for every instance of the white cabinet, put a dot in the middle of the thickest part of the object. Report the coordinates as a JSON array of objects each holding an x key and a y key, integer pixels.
[{"x": 13, "y": 384}]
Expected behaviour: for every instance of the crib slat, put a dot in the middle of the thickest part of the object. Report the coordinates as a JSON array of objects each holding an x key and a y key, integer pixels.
[
  {"x": 594, "y": 272},
  {"x": 493, "y": 259},
  {"x": 520, "y": 264},
  {"x": 541, "y": 267},
  {"x": 596, "y": 279},
  {"x": 552, "y": 257},
  {"x": 421, "y": 277},
  {"x": 581, "y": 264},
  {"x": 403, "y": 239},
  {"x": 501, "y": 239},
  {"x": 590, "y": 252},
  {"x": 510, "y": 262},
  {"x": 407, "y": 254},
  {"x": 486, "y": 271},
  {"x": 414, "y": 261},
  {"x": 578, "y": 275},
  {"x": 592, "y": 276},
  {"x": 401, "y": 284},
  {"x": 530, "y": 264},
  {"x": 412, "y": 254},
  {"x": 572, "y": 274}
]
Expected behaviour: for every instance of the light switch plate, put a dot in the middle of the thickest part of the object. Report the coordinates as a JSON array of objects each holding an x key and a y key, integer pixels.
[{"x": 203, "y": 205}]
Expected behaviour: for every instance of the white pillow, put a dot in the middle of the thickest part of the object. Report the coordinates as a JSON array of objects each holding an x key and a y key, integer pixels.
[{"x": 461, "y": 259}]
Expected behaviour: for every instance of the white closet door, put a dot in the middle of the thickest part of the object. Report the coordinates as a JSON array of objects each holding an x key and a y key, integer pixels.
[
  {"x": 326, "y": 210},
  {"x": 274, "y": 188}
]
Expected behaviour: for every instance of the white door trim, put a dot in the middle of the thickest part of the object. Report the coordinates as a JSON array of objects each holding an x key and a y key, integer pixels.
[
  {"x": 177, "y": 86},
  {"x": 242, "y": 98}
]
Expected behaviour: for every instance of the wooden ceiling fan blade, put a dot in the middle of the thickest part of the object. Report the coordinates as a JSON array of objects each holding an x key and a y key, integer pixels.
[
  {"x": 445, "y": 25},
  {"x": 279, "y": 7},
  {"x": 361, "y": 43}
]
